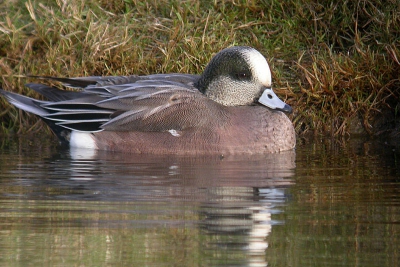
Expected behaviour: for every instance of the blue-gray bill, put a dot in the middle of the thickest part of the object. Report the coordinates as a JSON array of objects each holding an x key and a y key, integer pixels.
[{"x": 271, "y": 100}]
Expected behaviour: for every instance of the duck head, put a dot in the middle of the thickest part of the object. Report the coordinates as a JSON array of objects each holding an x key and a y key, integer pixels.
[{"x": 239, "y": 76}]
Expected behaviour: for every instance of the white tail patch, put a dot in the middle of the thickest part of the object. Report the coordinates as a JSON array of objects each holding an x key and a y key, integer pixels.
[{"x": 82, "y": 140}]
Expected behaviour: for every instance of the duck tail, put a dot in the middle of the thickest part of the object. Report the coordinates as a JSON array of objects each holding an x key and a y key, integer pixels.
[
  {"x": 25, "y": 103},
  {"x": 33, "y": 106}
]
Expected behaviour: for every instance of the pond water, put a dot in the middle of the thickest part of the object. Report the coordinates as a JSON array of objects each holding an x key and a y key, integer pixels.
[{"x": 329, "y": 203}]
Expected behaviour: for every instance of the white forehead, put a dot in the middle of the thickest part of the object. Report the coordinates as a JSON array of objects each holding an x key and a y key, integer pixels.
[{"x": 260, "y": 67}]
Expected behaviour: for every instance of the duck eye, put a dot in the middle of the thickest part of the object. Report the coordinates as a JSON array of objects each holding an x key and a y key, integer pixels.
[{"x": 242, "y": 76}]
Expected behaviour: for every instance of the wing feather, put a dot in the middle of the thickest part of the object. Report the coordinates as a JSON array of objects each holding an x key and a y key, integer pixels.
[{"x": 160, "y": 102}]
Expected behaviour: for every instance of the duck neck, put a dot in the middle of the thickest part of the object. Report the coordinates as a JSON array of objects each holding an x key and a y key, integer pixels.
[
  {"x": 201, "y": 85},
  {"x": 211, "y": 71}
]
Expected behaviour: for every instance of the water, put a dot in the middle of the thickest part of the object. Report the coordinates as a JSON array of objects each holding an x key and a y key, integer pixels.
[{"x": 329, "y": 203}]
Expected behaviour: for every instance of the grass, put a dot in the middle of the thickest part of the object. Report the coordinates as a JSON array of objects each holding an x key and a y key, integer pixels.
[{"x": 336, "y": 62}]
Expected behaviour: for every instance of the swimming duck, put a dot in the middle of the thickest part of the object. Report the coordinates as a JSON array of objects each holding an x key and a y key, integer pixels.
[{"x": 229, "y": 109}]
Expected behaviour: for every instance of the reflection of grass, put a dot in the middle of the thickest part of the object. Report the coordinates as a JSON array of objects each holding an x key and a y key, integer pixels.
[
  {"x": 60, "y": 233},
  {"x": 343, "y": 207},
  {"x": 334, "y": 62}
]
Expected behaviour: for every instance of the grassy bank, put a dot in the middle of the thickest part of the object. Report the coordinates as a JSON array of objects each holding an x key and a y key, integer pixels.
[{"x": 336, "y": 62}]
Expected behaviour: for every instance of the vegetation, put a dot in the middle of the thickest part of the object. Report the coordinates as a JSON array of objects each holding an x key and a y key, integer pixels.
[{"x": 336, "y": 62}]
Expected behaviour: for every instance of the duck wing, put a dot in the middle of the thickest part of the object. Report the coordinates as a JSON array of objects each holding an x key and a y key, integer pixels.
[
  {"x": 158, "y": 109},
  {"x": 83, "y": 82},
  {"x": 129, "y": 103}
]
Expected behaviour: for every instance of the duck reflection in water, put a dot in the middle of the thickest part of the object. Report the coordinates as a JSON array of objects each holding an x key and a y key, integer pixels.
[
  {"x": 235, "y": 196},
  {"x": 219, "y": 207}
]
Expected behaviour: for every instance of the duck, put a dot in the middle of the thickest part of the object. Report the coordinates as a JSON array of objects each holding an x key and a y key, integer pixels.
[{"x": 229, "y": 109}]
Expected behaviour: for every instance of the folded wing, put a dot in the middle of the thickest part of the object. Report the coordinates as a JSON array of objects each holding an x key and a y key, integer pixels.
[{"x": 126, "y": 103}]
